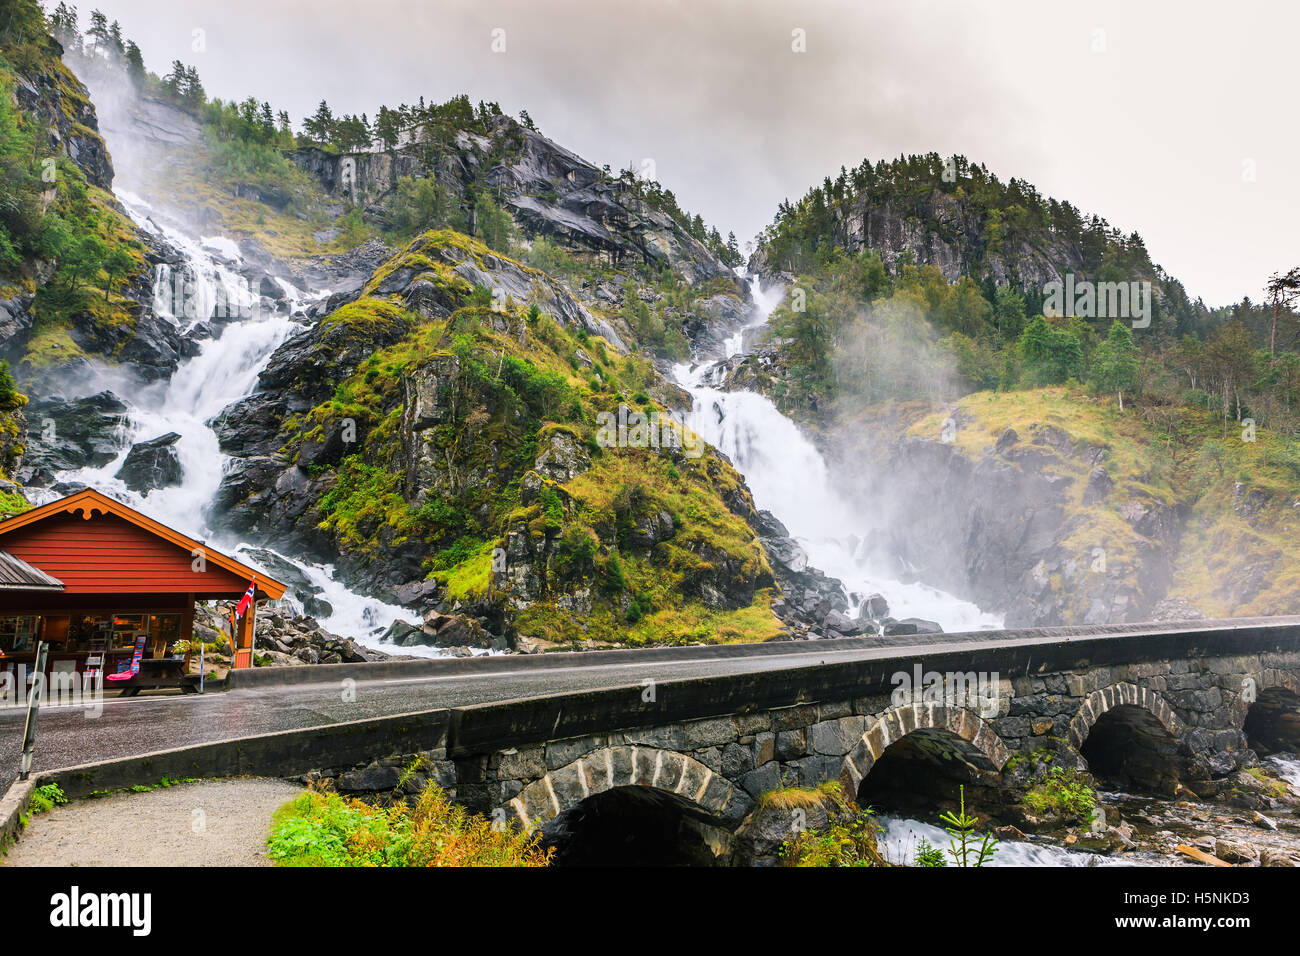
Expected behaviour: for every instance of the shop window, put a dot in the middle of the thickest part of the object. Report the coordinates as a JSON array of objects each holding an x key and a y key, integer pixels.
[
  {"x": 18, "y": 633},
  {"x": 164, "y": 631},
  {"x": 126, "y": 628},
  {"x": 89, "y": 632}
]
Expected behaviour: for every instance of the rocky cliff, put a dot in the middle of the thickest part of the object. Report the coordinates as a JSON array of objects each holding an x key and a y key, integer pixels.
[
  {"x": 1051, "y": 507},
  {"x": 549, "y": 190},
  {"x": 437, "y": 438}
]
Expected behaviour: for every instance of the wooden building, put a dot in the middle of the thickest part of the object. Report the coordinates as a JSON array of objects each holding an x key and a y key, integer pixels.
[{"x": 96, "y": 578}]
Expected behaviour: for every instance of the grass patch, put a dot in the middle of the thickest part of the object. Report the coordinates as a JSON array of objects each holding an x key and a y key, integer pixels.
[{"x": 325, "y": 829}]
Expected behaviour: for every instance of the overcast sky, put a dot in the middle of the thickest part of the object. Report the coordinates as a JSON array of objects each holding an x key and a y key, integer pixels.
[{"x": 1156, "y": 115}]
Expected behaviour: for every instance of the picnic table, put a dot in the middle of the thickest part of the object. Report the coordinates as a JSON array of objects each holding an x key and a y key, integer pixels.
[{"x": 156, "y": 673}]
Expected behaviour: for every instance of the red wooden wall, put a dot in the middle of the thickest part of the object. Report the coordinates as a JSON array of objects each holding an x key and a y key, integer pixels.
[{"x": 110, "y": 555}]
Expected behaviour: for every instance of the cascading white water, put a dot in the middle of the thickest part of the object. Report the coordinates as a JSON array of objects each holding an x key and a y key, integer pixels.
[
  {"x": 224, "y": 370},
  {"x": 789, "y": 477},
  {"x": 900, "y": 838},
  {"x": 1287, "y": 766}
]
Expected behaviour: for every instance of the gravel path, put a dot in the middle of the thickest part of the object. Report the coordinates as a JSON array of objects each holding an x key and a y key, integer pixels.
[{"x": 208, "y": 823}]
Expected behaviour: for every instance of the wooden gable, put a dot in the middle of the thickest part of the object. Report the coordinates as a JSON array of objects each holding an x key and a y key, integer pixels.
[{"x": 96, "y": 545}]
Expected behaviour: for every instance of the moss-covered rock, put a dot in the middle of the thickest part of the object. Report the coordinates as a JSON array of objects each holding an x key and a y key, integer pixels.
[{"x": 453, "y": 437}]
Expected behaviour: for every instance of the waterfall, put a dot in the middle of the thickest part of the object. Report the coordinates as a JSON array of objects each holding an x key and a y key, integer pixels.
[
  {"x": 789, "y": 477},
  {"x": 224, "y": 370}
]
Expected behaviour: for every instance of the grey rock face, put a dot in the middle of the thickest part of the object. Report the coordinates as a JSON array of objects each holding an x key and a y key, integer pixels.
[
  {"x": 549, "y": 190},
  {"x": 67, "y": 434},
  {"x": 563, "y": 458}
]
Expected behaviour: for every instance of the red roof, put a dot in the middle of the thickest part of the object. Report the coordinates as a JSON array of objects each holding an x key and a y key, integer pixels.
[{"x": 96, "y": 545}]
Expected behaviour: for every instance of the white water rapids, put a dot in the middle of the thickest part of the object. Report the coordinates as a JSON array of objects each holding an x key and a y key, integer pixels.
[
  {"x": 789, "y": 477},
  {"x": 224, "y": 371}
]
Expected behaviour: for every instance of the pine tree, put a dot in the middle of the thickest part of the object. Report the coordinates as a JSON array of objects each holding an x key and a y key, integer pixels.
[
  {"x": 193, "y": 92},
  {"x": 63, "y": 24},
  {"x": 174, "y": 81},
  {"x": 387, "y": 127},
  {"x": 98, "y": 30},
  {"x": 319, "y": 127},
  {"x": 135, "y": 65}
]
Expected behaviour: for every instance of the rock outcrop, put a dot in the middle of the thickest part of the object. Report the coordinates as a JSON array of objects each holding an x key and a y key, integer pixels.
[{"x": 549, "y": 190}]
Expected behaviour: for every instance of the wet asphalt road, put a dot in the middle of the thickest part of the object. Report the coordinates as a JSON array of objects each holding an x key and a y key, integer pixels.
[{"x": 69, "y": 735}]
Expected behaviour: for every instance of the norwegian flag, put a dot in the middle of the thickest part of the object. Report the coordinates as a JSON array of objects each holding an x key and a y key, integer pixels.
[{"x": 246, "y": 601}]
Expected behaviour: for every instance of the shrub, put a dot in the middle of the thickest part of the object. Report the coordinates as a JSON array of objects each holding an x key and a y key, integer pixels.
[
  {"x": 849, "y": 841},
  {"x": 324, "y": 829},
  {"x": 1063, "y": 793},
  {"x": 615, "y": 579},
  {"x": 46, "y": 797}
]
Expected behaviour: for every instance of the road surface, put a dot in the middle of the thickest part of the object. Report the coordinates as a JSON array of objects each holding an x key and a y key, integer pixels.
[{"x": 71, "y": 735}]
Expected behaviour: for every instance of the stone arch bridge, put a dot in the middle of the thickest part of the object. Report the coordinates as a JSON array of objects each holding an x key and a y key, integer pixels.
[
  {"x": 703, "y": 733},
  {"x": 1156, "y": 707}
]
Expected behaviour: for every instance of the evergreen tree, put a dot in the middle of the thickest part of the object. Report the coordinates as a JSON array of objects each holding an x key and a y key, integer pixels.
[
  {"x": 319, "y": 127},
  {"x": 174, "y": 81},
  {"x": 387, "y": 127},
  {"x": 135, "y": 65},
  {"x": 98, "y": 31}
]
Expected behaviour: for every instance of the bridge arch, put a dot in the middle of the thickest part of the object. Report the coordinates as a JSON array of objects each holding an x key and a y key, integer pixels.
[
  {"x": 1130, "y": 736},
  {"x": 687, "y": 781},
  {"x": 976, "y": 742},
  {"x": 1272, "y": 720},
  {"x": 1122, "y": 694}
]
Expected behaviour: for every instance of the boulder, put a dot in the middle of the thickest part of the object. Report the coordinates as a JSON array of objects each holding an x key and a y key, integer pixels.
[
  {"x": 874, "y": 608},
  {"x": 840, "y": 624},
  {"x": 912, "y": 625},
  {"x": 402, "y": 634},
  {"x": 1270, "y": 856},
  {"x": 152, "y": 464},
  {"x": 451, "y": 630},
  {"x": 416, "y": 593},
  {"x": 1234, "y": 851}
]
